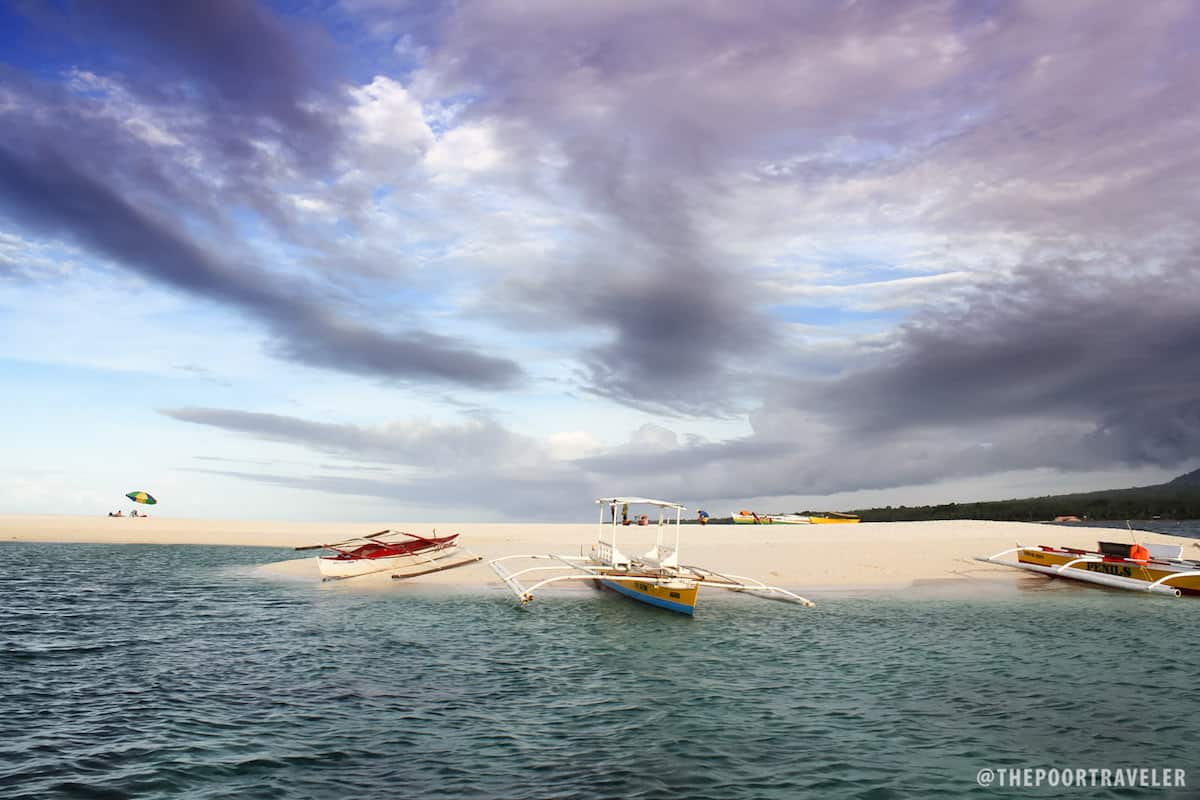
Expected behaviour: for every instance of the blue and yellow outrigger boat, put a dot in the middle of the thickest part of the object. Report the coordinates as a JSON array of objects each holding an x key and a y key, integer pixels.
[{"x": 655, "y": 577}]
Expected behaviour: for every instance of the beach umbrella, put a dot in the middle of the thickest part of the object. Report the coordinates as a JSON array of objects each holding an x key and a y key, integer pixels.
[{"x": 141, "y": 497}]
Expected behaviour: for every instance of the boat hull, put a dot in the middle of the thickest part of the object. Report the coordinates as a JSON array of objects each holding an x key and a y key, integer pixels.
[
  {"x": 1153, "y": 570},
  {"x": 678, "y": 599},
  {"x": 406, "y": 565},
  {"x": 834, "y": 520},
  {"x": 740, "y": 519}
]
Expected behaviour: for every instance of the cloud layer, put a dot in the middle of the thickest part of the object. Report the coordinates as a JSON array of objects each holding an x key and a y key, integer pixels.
[
  {"x": 189, "y": 165},
  {"x": 906, "y": 243}
]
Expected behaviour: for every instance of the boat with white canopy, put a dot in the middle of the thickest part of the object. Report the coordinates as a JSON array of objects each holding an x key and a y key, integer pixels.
[{"x": 655, "y": 577}]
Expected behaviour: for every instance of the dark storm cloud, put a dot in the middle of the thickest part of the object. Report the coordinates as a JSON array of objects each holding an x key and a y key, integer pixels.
[
  {"x": 69, "y": 169},
  {"x": 649, "y": 124},
  {"x": 1073, "y": 369},
  {"x": 548, "y": 498},
  {"x": 477, "y": 464},
  {"x": 959, "y": 120},
  {"x": 47, "y": 191},
  {"x": 673, "y": 345},
  {"x": 1101, "y": 344},
  {"x": 250, "y": 98},
  {"x": 657, "y": 111},
  {"x": 250, "y": 69},
  {"x": 670, "y": 337},
  {"x": 1066, "y": 135},
  {"x": 477, "y": 441}
]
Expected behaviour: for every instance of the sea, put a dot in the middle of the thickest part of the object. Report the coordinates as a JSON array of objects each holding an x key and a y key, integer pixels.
[{"x": 163, "y": 671}]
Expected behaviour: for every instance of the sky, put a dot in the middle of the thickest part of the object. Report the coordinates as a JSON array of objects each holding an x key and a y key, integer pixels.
[{"x": 467, "y": 261}]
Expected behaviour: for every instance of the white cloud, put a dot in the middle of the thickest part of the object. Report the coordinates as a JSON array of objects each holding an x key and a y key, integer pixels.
[
  {"x": 114, "y": 101},
  {"x": 570, "y": 445},
  {"x": 655, "y": 437},
  {"x": 463, "y": 153},
  {"x": 388, "y": 128}
]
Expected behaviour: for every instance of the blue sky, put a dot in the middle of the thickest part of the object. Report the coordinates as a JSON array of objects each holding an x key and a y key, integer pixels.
[{"x": 366, "y": 260}]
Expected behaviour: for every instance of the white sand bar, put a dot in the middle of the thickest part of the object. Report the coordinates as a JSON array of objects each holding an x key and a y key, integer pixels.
[{"x": 795, "y": 556}]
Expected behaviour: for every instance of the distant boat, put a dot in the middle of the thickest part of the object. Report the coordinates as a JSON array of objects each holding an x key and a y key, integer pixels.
[
  {"x": 832, "y": 517},
  {"x": 750, "y": 518},
  {"x": 790, "y": 519}
]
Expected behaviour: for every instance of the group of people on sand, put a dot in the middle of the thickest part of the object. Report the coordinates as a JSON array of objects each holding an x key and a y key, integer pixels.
[{"x": 134, "y": 513}]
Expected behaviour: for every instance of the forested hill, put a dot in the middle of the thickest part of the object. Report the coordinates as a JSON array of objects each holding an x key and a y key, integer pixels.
[{"x": 1176, "y": 499}]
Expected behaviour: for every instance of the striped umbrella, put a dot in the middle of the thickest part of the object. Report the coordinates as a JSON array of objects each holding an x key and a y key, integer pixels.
[{"x": 141, "y": 497}]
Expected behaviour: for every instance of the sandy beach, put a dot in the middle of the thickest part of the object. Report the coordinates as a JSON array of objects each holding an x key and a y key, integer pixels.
[{"x": 867, "y": 555}]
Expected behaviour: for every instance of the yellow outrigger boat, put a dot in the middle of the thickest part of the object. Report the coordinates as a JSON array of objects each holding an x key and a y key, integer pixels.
[
  {"x": 832, "y": 518},
  {"x": 655, "y": 578},
  {"x": 1154, "y": 568}
]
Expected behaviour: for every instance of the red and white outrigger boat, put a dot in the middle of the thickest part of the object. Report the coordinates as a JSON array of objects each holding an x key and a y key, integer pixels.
[
  {"x": 405, "y": 555},
  {"x": 1154, "y": 568}
]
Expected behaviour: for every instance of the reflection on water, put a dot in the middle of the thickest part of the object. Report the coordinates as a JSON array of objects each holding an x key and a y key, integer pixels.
[{"x": 176, "y": 671}]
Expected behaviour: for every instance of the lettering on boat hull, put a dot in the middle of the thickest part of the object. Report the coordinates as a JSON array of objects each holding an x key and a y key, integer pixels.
[
  {"x": 1151, "y": 571},
  {"x": 679, "y": 600}
]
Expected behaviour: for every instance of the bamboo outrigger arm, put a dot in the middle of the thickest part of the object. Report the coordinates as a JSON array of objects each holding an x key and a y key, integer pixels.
[
  {"x": 585, "y": 571},
  {"x": 749, "y": 586},
  {"x": 512, "y": 579},
  {"x": 1160, "y": 586}
]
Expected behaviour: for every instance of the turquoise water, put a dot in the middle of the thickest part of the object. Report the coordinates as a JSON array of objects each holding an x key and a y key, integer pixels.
[
  {"x": 173, "y": 671},
  {"x": 1172, "y": 527}
]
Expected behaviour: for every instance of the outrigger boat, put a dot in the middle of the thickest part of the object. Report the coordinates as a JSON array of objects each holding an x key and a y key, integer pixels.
[
  {"x": 406, "y": 555},
  {"x": 1154, "y": 568},
  {"x": 655, "y": 578},
  {"x": 750, "y": 518},
  {"x": 833, "y": 518},
  {"x": 790, "y": 519}
]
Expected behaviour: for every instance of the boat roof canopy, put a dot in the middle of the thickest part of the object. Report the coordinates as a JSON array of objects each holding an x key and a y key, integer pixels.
[{"x": 642, "y": 500}]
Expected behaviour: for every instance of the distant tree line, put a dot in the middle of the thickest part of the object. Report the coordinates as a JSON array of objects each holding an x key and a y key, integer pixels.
[
  {"x": 1177, "y": 499},
  {"x": 1166, "y": 501}
]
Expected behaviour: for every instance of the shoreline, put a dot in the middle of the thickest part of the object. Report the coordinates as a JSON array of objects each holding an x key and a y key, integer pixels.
[{"x": 867, "y": 556}]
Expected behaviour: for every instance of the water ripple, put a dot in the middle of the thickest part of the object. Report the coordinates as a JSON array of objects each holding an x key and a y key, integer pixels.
[{"x": 140, "y": 671}]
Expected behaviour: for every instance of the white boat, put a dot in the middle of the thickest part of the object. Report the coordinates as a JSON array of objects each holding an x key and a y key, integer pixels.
[
  {"x": 790, "y": 519},
  {"x": 656, "y": 577},
  {"x": 405, "y": 555},
  {"x": 745, "y": 517}
]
